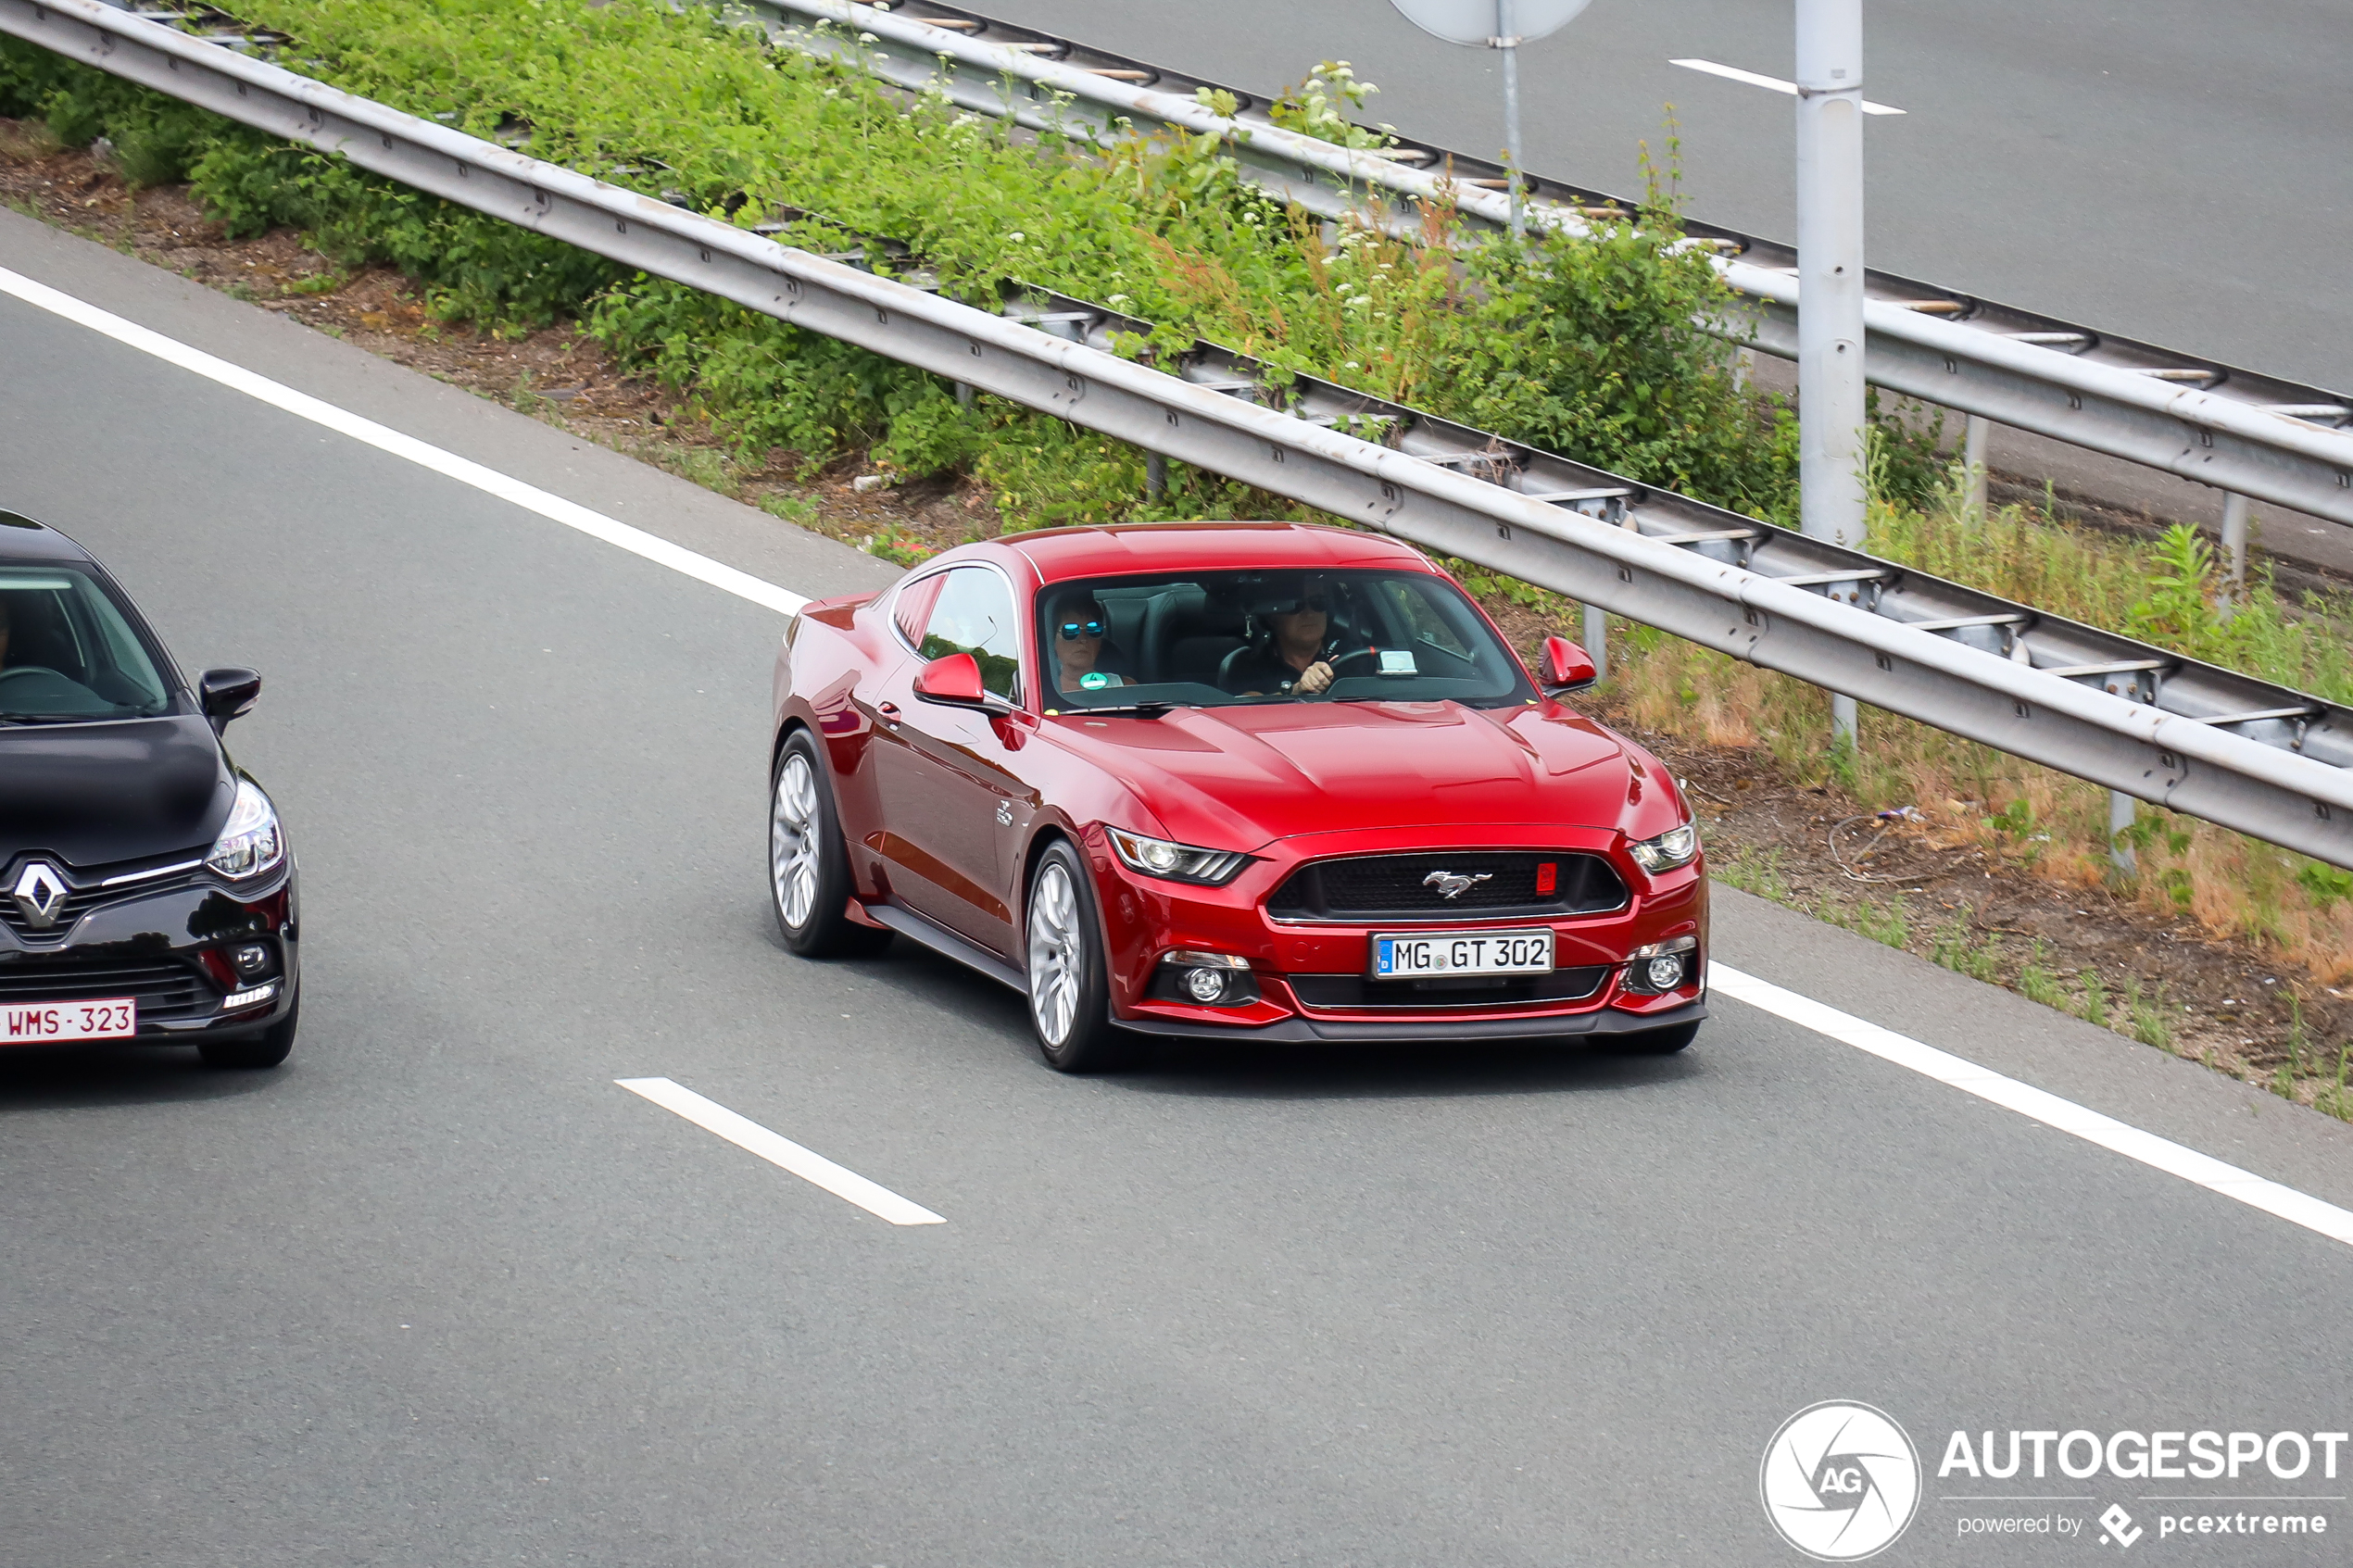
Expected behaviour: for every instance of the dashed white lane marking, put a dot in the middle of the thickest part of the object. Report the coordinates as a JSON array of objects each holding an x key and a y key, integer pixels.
[
  {"x": 490, "y": 482},
  {"x": 2161, "y": 1154},
  {"x": 809, "y": 1165},
  {"x": 1733, "y": 74}
]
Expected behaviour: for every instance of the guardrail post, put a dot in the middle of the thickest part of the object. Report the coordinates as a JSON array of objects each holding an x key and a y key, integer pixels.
[
  {"x": 2122, "y": 813},
  {"x": 1973, "y": 465},
  {"x": 1597, "y": 640},
  {"x": 1155, "y": 476},
  {"x": 2235, "y": 552},
  {"x": 964, "y": 396}
]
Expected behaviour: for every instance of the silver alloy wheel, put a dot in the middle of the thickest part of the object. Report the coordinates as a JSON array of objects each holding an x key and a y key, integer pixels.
[
  {"x": 1057, "y": 954},
  {"x": 793, "y": 827}
]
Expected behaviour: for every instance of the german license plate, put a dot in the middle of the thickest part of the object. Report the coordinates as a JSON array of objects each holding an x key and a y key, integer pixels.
[
  {"x": 1461, "y": 952},
  {"x": 40, "y": 1023}
]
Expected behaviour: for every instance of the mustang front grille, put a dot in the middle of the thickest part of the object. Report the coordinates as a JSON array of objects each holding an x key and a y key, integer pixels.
[
  {"x": 1447, "y": 996},
  {"x": 1479, "y": 885}
]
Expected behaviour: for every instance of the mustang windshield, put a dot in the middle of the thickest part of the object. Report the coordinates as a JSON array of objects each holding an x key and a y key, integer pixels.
[
  {"x": 68, "y": 652},
  {"x": 1212, "y": 639}
]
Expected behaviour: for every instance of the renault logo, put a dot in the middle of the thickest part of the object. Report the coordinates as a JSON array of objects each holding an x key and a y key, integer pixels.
[
  {"x": 1454, "y": 885},
  {"x": 40, "y": 891}
]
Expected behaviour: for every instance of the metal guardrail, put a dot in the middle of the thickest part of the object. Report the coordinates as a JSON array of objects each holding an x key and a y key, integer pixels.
[
  {"x": 2236, "y": 430},
  {"x": 2250, "y": 755}
]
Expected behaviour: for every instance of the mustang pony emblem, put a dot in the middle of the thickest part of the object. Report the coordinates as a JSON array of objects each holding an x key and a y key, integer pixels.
[{"x": 1454, "y": 885}]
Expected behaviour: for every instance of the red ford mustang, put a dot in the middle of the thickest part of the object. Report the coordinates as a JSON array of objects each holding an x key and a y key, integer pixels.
[{"x": 1241, "y": 781}]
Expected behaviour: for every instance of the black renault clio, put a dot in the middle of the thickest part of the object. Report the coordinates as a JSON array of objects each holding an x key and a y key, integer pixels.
[{"x": 146, "y": 890}]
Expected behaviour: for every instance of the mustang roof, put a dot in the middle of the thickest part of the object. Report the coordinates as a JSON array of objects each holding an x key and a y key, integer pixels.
[{"x": 1062, "y": 553}]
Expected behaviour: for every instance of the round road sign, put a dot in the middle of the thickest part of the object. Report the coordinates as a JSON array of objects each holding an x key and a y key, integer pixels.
[{"x": 1473, "y": 22}]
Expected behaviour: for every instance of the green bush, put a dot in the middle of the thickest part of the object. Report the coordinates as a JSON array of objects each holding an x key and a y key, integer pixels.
[{"x": 1580, "y": 346}]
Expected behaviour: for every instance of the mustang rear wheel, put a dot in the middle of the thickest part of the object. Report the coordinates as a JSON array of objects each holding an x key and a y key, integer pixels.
[
  {"x": 809, "y": 883},
  {"x": 1069, "y": 995}
]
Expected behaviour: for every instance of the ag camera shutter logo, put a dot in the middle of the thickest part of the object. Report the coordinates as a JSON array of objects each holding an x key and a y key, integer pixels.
[{"x": 1841, "y": 1481}]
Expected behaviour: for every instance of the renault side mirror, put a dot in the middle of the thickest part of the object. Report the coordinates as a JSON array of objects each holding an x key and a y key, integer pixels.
[
  {"x": 1566, "y": 666},
  {"x": 227, "y": 694}
]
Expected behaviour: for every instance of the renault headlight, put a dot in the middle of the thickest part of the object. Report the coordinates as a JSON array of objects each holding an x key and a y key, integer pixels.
[
  {"x": 1177, "y": 862},
  {"x": 1674, "y": 847},
  {"x": 250, "y": 842}
]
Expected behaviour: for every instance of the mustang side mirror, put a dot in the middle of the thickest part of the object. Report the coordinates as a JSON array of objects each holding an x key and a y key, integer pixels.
[
  {"x": 955, "y": 681},
  {"x": 227, "y": 694},
  {"x": 1566, "y": 666}
]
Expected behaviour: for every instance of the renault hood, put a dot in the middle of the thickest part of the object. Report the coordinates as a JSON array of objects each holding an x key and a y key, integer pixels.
[{"x": 94, "y": 795}]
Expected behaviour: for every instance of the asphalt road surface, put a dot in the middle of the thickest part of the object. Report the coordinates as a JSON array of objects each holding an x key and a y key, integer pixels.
[
  {"x": 2167, "y": 170},
  {"x": 440, "y": 1292}
]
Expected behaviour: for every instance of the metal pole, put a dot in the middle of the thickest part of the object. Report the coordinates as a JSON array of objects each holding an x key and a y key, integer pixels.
[
  {"x": 1597, "y": 640},
  {"x": 2122, "y": 810},
  {"x": 1508, "y": 42},
  {"x": 1973, "y": 465},
  {"x": 2235, "y": 552},
  {"x": 1155, "y": 476},
  {"x": 1830, "y": 301}
]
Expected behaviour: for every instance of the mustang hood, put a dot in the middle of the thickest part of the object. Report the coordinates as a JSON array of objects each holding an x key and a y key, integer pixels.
[
  {"x": 97, "y": 794},
  {"x": 1237, "y": 777}
]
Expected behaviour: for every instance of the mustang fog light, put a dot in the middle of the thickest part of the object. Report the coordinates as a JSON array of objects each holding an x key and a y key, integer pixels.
[
  {"x": 1206, "y": 979},
  {"x": 1660, "y": 967},
  {"x": 251, "y": 959},
  {"x": 236, "y": 999},
  {"x": 1205, "y": 985}
]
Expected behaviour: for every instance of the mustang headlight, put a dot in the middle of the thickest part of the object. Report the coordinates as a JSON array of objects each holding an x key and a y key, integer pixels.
[
  {"x": 1674, "y": 847},
  {"x": 250, "y": 843},
  {"x": 1177, "y": 862}
]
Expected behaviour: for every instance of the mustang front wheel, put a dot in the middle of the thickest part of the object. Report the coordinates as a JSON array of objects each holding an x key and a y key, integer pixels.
[
  {"x": 809, "y": 881},
  {"x": 1069, "y": 996}
]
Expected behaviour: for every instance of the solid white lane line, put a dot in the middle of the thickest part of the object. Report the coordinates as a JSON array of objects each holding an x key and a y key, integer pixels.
[
  {"x": 1733, "y": 74},
  {"x": 810, "y": 1166},
  {"x": 490, "y": 482},
  {"x": 2161, "y": 1154}
]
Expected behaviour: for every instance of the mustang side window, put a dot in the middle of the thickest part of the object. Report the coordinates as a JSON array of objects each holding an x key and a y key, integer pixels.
[
  {"x": 914, "y": 608},
  {"x": 1411, "y": 600},
  {"x": 975, "y": 614}
]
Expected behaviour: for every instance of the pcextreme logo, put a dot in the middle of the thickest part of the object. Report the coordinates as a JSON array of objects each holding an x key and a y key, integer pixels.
[{"x": 1841, "y": 1481}]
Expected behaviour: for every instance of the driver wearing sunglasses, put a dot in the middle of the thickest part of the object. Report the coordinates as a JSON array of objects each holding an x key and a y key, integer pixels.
[
  {"x": 1078, "y": 644},
  {"x": 1291, "y": 649}
]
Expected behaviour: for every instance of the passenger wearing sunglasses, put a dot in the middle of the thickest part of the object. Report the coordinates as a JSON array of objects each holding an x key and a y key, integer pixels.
[
  {"x": 1078, "y": 644},
  {"x": 1291, "y": 655}
]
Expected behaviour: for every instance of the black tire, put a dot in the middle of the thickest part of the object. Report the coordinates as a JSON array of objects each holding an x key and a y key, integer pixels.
[
  {"x": 266, "y": 1050},
  {"x": 1063, "y": 955},
  {"x": 1658, "y": 1042},
  {"x": 808, "y": 863}
]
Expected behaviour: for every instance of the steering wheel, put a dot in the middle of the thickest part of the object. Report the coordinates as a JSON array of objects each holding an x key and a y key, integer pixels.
[
  {"x": 14, "y": 670},
  {"x": 1336, "y": 660}
]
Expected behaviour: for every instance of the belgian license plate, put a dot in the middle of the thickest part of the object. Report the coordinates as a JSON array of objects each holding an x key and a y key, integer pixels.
[
  {"x": 40, "y": 1023},
  {"x": 1463, "y": 952}
]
